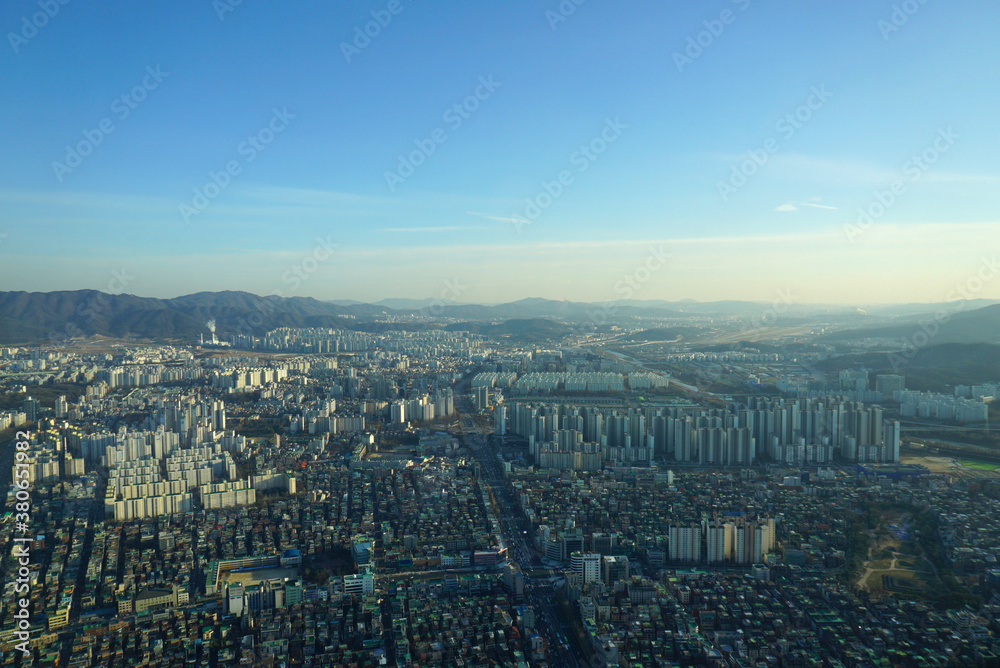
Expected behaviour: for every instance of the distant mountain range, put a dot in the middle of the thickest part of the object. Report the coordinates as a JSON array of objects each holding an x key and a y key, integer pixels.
[
  {"x": 50, "y": 316},
  {"x": 396, "y": 304},
  {"x": 947, "y": 324},
  {"x": 40, "y": 316},
  {"x": 414, "y": 304}
]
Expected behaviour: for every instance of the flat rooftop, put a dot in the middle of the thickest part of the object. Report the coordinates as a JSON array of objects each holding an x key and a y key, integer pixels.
[{"x": 247, "y": 578}]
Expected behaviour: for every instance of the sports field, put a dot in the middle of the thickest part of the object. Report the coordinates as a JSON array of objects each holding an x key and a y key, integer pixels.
[{"x": 979, "y": 466}]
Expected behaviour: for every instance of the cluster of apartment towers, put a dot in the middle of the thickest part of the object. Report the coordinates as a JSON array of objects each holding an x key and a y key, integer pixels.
[{"x": 796, "y": 431}]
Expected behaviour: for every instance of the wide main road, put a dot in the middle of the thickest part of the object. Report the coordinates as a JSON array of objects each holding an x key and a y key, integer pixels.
[{"x": 516, "y": 532}]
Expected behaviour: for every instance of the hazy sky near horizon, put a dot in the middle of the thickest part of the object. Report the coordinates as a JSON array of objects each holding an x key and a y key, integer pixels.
[{"x": 501, "y": 150}]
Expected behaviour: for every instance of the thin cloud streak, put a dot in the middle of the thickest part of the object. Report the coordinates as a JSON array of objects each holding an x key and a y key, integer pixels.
[
  {"x": 499, "y": 219},
  {"x": 452, "y": 228},
  {"x": 856, "y": 172},
  {"x": 794, "y": 206}
]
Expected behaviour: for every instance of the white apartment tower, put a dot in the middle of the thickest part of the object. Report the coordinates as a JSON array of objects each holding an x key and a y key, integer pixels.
[{"x": 685, "y": 543}]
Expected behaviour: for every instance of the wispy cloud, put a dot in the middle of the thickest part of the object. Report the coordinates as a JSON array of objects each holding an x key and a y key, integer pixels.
[
  {"x": 812, "y": 203},
  {"x": 304, "y": 197},
  {"x": 854, "y": 172},
  {"x": 810, "y": 262},
  {"x": 499, "y": 219}
]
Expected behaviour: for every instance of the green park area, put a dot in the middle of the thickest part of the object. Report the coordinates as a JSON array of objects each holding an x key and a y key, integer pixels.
[
  {"x": 896, "y": 551},
  {"x": 979, "y": 466},
  {"x": 895, "y": 563}
]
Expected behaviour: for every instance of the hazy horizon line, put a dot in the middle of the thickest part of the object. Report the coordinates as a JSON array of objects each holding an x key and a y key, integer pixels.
[{"x": 449, "y": 302}]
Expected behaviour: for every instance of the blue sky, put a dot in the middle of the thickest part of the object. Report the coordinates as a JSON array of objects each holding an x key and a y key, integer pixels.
[{"x": 871, "y": 92}]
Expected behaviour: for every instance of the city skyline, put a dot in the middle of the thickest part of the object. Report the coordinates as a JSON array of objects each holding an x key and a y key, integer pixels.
[
  {"x": 541, "y": 334},
  {"x": 825, "y": 151}
]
